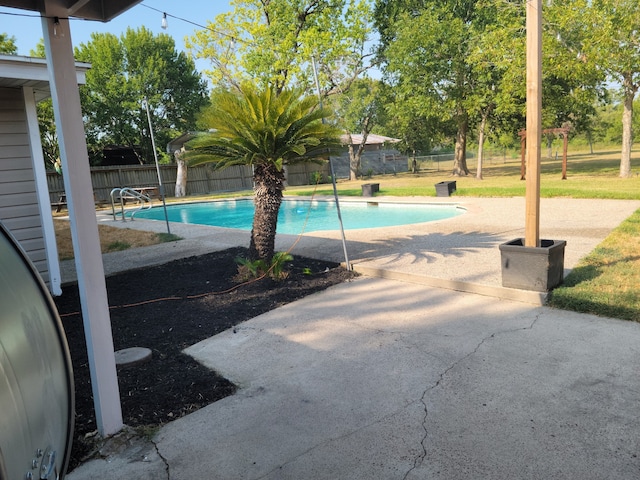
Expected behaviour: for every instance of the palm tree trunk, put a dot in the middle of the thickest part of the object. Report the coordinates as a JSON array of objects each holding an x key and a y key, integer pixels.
[{"x": 269, "y": 184}]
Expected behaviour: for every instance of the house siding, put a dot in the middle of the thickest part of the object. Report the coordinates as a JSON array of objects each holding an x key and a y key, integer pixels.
[{"x": 19, "y": 210}]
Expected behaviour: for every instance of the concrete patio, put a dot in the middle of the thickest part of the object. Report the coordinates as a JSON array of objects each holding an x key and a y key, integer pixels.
[{"x": 389, "y": 379}]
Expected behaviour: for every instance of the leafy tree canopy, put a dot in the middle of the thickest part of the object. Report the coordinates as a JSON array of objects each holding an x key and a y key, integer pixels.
[
  {"x": 273, "y": 42},
  {"x": 611, "y": 40},
  {"x": 129, "y": 71},
  {"x": 8, "y": 44},
  {"x": 426, "y": 47},
  {"x": 455, "y": 65},
  {"x": 361, "y": 108}
]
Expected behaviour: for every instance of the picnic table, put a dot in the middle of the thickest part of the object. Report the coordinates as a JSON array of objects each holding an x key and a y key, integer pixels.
[
  {"x": 62, "y": 202},
  {"x": 150, "y": 192}
]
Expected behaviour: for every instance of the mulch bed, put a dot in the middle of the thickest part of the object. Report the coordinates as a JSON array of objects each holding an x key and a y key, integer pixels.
[{"x": 150, "y": 308}]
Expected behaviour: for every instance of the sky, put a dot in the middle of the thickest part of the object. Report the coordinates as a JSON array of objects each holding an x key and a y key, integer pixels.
[{"x": 25, "y": 26}]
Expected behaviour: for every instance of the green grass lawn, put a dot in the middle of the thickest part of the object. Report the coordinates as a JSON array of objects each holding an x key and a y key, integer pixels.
[
  {"x": 607, "y": 281},
  {"x": 588, "y": 176}
]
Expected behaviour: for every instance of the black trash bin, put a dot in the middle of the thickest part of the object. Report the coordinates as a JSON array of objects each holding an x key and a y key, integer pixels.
[
  {"x": 368, "y": 189},
  {"x": 445, "y": 189}
]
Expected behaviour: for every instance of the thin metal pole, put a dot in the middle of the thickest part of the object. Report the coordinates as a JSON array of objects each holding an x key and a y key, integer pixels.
[
  {"x": 155, "y": 156},
  {"x": 333, "y": 175}
]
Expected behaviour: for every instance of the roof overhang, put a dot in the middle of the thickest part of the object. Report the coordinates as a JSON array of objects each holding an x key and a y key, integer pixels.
[
  {"x": 177, "y": 143},
  {"x": 372, "y": 139},
  {"x": 102, "y": 10},
  {"x": 17, "y": 71}
]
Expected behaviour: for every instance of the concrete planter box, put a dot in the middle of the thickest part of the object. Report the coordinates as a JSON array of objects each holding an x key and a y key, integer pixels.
[
  {"x": 368, "y": 189},
  {"x": 445, "y": 189},
  {"x": 532, "y": 268}
]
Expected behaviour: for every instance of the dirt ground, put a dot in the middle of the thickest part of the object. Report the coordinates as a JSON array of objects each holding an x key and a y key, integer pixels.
[{"x": 167, "y": 308}]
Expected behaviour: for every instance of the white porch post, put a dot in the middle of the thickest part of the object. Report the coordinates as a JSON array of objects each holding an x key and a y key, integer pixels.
[
  {"x": 84, "y": 227},
  {"x": 42, "y": 191}
]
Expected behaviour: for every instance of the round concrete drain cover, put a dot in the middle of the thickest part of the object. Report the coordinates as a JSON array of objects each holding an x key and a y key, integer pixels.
[{"x": 132, "y": 356}]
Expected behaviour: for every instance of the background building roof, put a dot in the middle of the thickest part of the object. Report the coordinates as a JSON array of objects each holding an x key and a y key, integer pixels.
[{"x": 372, "y": 139}]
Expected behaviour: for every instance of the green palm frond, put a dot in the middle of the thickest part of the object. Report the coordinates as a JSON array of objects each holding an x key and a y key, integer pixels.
[{"x": 259, "y": 126}]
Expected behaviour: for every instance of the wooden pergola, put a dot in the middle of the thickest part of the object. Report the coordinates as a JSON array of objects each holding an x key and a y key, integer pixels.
[
  {"x": 564, "y": 132},
  {"x": 61, "y": 66}
]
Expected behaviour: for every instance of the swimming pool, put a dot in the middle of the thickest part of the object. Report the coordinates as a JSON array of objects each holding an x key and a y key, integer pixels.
[{"x": 322, "y": 215}]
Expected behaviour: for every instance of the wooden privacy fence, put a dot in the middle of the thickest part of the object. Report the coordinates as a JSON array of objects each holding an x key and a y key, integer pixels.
[{"x": 201, "y": 180}]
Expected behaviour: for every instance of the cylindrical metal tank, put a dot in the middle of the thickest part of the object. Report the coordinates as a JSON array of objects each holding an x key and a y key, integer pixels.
[{"x": 36, "y": 379}]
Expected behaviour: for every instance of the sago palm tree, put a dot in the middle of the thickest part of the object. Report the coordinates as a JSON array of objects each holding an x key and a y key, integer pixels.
[{"x": 266, "y": 130}]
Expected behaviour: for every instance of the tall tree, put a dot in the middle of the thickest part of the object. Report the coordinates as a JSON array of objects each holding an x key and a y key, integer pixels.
[
  {"x": 612, "y": 41},
  {"x": 426, "y": 46},
  {"x": 495, "y": 99},
  {"x": 272, "y": 43},
  {"x": 462, "y": 63},
  {"x": 359, "y": 110},
  {"x": 573, "y": 81},
  {"x": 128, "y": 71},
  {"x": 8, "y": 44},
  {"x": 268, "y": 130}
]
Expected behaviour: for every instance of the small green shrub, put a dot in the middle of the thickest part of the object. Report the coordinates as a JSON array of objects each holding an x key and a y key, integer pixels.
[
  {"x": 248, "y": 269},
  {"x": 278, "y": 262},
  {"x": 117, "y": 246},
  {"x": 167, "y": 237},
  {"x": 316, "y": 178}
]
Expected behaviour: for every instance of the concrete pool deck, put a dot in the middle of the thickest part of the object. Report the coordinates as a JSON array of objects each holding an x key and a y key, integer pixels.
[{"x": 461, "y": 253}]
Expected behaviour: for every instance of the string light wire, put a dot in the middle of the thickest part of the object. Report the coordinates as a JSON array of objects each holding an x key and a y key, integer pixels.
[{"x": 165, "y": 15}]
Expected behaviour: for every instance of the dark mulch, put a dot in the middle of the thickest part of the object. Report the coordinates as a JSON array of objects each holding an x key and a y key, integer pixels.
[{"x": 172, "y": 384}]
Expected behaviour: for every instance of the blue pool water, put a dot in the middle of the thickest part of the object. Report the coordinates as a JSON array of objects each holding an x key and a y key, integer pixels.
[{"x": 318, "y": 215}]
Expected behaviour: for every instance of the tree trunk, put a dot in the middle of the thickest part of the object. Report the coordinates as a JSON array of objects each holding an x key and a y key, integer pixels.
[
  {"x": 627, "y": 126},
  {"x": 460, "y": 157},
  {"x": 354, "y": 167},
  {"x": 483, "y": 124},
  {"x": 269, "y": 184},
  {"x": 181, "y": 175}
]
